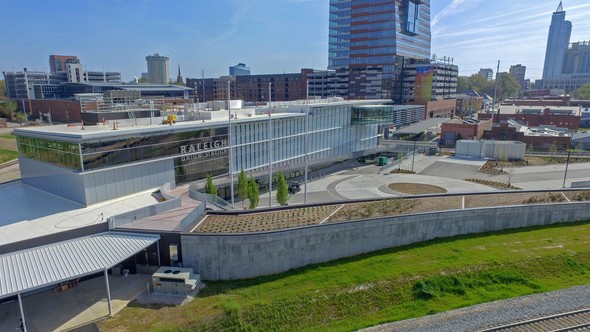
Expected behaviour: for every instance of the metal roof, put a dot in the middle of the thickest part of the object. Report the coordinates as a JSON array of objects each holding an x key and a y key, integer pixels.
[
  {"x": 38, "y": 267},
  {"x": 421, "y": 126}
]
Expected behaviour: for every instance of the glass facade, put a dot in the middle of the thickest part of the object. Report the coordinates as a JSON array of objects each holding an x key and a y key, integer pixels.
[
  {"x": 335, "y": 132},
  {"x": 387, "y": 114},
  {"x": 557, "y": 43},
  {"x": 62, "y": 154}
]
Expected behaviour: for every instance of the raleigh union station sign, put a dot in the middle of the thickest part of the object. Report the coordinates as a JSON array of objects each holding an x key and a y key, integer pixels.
[{"x": 203, "y": 149}]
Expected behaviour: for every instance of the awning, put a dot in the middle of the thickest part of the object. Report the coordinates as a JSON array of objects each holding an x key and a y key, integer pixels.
[{"x": 37, "y": 267}]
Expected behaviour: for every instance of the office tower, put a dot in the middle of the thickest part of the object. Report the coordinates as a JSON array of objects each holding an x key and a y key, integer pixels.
[
  {"x": 577, "y": 59},
  {"x": 371, "y": 40},
  {"x": 557, "y": 43},
  {"x": 487, "y": 73},
  {"x": 239, "y": 70},
  {"x": 60, "y": 62},
  {"x": 519, "y": 72},
  {"x": 157, "y": 66}
]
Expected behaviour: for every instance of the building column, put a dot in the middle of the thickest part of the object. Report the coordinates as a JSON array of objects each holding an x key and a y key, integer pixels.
[
  {"x": 22, "y": 312},
  {"x": 106, "y": 279}
]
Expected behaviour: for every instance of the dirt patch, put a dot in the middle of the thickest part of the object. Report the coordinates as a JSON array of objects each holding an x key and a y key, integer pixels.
[
  {"x": 257, "y": 222},
  {"x": 8, "y": 144},
  {"x": 416, "y": 188},
  {"x": 510, "y": 199}
]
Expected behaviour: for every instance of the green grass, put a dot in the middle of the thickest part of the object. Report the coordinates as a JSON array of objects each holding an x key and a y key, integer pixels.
[
  {"x": 389, "y": 285},
  {"x": 7, "y": 155},
  {"x": 7, "y": 136}
]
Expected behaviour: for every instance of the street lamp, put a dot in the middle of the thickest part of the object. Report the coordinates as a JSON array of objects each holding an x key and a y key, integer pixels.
[
  {"x": 567, "y": 162},
  {"x": 269, "y": 148},
  {"x": 231, "y": 161},
  {"x": 306, "y": 138}
]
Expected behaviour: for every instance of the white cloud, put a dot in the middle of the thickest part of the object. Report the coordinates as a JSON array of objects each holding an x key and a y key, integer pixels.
[{"x": 455, "y": 7}]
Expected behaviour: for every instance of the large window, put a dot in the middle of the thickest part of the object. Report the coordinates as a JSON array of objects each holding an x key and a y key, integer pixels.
[
  {"x": 413, "y": 17},
  {"x": 109, "y": 152}
]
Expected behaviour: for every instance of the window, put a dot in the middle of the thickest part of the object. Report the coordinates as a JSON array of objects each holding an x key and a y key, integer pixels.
[{"x": 413, "y": 17}]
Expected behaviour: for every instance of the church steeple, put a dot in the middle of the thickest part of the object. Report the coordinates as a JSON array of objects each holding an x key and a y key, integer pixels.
[{"x": 179, "y": 79}]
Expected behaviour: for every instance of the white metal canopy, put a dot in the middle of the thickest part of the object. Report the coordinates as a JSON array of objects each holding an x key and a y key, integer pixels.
[{"x": 34, "y": 268}]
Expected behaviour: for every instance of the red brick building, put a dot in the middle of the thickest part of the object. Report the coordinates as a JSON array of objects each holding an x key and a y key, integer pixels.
[
  {"x": 458, "y": 129},
  {"x": 506, "y": 132}
]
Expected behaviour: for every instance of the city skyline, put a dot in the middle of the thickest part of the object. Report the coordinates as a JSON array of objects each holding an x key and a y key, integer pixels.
[{"x": 284, "y": 37}]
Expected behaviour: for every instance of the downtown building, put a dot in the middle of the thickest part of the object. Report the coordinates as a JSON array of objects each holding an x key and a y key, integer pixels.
[
  {"x": 567, "y": 66},
  {"x": 96, "y": 163},
  {"x": 370, "y": 42},
  {"x": 158, "y": 68}
]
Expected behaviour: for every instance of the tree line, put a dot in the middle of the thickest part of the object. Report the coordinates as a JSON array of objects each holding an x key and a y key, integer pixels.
[{"x": 247, "y": 188}]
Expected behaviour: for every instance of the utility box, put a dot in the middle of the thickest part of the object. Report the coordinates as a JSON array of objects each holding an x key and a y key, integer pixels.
[
  {"x": 174, "y": 280},
  {"x": 382, "y": 161}
]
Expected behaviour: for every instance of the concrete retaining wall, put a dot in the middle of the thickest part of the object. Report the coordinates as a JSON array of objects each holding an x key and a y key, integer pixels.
[{"x": 239, "y": 256}]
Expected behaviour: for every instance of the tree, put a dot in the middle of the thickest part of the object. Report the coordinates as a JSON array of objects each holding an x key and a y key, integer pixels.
[
  {"x": 8, "y": 109},
  {"x": 210, "y": 188},
  {"x": 508, "y": 86},
  {"x": 282, "y": 189},
  {"x": 583, "y": 92},
  {"x": 253, "y": 193},
  {"x": 242, "y": 186},
  {"x": 463, "y": 84},
  {"x": 2, "y": 89}
]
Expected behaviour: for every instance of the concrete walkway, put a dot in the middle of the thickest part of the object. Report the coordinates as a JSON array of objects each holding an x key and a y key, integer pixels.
[
  {"x": 448, "y": 172},
  {"x": 76, "y": 307}
]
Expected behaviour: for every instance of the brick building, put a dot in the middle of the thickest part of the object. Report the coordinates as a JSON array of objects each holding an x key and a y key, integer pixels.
[{"x": 536, "y": 141}]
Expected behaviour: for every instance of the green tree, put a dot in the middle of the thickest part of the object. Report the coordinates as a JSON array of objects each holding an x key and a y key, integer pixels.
[
  {"x": 583, "y": 92},
  {"x": 282, "y": 189},
  {"x": 508, "y": 86},
  {"x": 8, "y": 109},
  {"x": 463, "y": 84},
  {"x": 253, "y": 193},
  {"x": 2, "y": 89},
  {"x": 243, "y": 187},
  {"x": 210, "y": 188}
]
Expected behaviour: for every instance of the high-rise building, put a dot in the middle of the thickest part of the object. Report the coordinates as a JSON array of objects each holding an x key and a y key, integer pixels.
[
  {"x": 557, "y": 44},
  {"x": 60, "y": 62},
  {"x": 370, "y": 40},
  {"x": 518, "y": 72},
  {"x": 239, "y": 70},
  {"x": 577, "y": 59},
  {"x": 487, "y": 73},
  {"x": 158, "y": 70}
]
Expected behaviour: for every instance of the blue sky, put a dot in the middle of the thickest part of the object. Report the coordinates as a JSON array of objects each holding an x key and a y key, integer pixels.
[{"x": 270, "y": 36}]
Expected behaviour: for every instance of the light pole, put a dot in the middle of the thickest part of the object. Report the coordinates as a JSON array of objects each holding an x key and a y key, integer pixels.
[
  {"x": 306, "y": 138},
  {"x": 567, "y": 162},
  {"x": 269, "y": 148},
  {"x": 413, "y": 155},
  {"x": 231, "y": 155}
]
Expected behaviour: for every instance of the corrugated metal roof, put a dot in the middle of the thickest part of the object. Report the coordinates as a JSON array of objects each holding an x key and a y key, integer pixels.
[{"x": 37, "y": 267}]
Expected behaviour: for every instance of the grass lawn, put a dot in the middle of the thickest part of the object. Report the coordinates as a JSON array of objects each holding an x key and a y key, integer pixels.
[
  {"x": 7, "y": 136},
  {"x": 389, "y": 285},
  {"x": 7, "y": 155}
]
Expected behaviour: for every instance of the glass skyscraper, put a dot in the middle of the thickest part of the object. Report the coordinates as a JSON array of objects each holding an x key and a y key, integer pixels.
[
  {"x": 557, "y": 44},
  {"x": 370, "y": 39}
]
